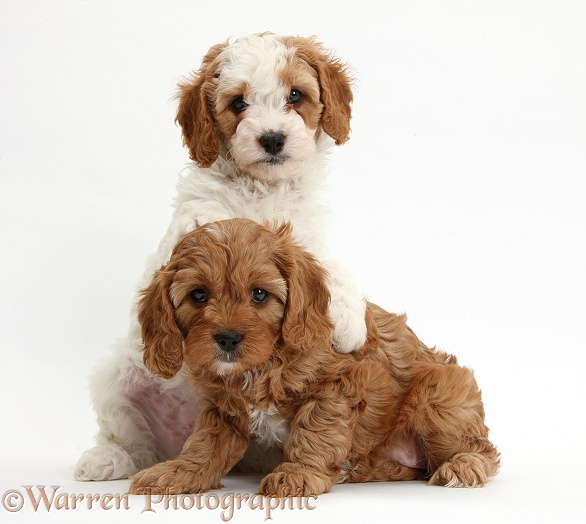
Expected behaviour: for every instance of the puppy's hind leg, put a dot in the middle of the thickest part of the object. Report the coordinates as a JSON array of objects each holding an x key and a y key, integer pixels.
[
  {"x": 142, "y": 419},
  {"x": 376, "y": 468},
  {"x": 444, "y": 408},
  {"x": 124, "y": 443}
]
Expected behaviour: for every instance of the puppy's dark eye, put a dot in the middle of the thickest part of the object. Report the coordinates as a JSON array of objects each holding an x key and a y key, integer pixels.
[
  {"x": 239, "y": 105},
  {"x": 259, "y": 296},
  {"x": 295, "y": 96},
  {"x": 199, "y": 295}
]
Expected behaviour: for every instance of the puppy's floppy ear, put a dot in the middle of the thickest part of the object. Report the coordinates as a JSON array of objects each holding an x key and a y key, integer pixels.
[
  {"x": 163, "y": 342},
  {"x": 194, "y": 114},
  {"x": 335, "y": 88},
  {"x": 306, "y": 324}
]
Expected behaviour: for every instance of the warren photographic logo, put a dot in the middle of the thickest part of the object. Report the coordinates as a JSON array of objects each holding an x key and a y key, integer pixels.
[{"x": 46, "y": 499}]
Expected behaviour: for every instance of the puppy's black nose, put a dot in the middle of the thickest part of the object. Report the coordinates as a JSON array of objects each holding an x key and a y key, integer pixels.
[
  {"x": 272, "y": 143},
  {"x": 228, "y": 340}
]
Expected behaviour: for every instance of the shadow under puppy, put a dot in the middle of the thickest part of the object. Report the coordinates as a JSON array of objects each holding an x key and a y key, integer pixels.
[{"x": 246, "y": 310}]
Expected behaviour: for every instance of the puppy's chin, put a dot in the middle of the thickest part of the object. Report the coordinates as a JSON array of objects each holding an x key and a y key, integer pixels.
[
  {"x": 229, "y": 368},
  {"x": 273, "y": 170},
  {"x": 240, "y": 364}
]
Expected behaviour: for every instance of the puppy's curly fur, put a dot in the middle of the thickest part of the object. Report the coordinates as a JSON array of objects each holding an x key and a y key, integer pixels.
[{"x": 245, "y": 309}]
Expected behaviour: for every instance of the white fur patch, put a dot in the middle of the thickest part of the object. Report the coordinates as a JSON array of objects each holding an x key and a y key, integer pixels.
[
  {"x": 268, "y": 426},
  {"x": 226, "y": 367}
]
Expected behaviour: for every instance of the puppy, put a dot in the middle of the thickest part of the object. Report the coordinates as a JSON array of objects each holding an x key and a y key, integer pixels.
[
  {"x": 246, "y": 310},
  {"x": 259, "y": 119}
]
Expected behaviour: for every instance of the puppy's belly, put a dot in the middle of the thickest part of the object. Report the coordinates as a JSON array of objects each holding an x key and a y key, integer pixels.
[
  {"x": 170, "y": 415},
  {"x": 406, "y": 451},
  {"x": 268, "y": 427}
]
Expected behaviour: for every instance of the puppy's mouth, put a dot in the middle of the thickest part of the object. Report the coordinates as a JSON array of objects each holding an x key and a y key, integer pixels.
[
  {"x": 228, "y": 357},
  {"x": 273, "y": 160},
  {"x": 227, "y": 362}
]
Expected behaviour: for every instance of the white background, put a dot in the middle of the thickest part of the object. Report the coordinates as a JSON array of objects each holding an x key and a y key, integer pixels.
[{"x": 459, "y": 199}]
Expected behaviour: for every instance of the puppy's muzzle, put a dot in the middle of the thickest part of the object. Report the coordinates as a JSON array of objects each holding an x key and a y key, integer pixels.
[{"x": 228, "y": 340}]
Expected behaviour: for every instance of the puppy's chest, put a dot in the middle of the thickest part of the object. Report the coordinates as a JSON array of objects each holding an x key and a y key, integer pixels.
[{"x": 267, "y": 425}]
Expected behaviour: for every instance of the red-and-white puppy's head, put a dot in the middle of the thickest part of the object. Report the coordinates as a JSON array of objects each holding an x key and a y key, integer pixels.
[
  {"x": 261, "y": 102},
  {"x": 233, "y": 295}
]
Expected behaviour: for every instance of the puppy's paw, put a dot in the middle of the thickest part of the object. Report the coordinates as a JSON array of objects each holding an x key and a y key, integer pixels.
[
  {"x": 465, "y": 470},
  {"x": 293, "y": 480},
  {"x": 347, "y": 310},
  {"x": 349, "y": 326},
  {"x": 172, "y": 477},
  {"x": 347, "y": 341},
  {"x": 104, "y": 463}
]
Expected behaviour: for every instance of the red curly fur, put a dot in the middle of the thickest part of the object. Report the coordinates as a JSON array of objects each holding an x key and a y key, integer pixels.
[
  {"x": 194, "y": 113},
  {"x": 396, "y": 410}
]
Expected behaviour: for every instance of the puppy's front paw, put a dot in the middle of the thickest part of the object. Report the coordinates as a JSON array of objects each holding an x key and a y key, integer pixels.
[
  {"x": 293, "y": 480},
  {"x": 347, "y": 311},
  {"x": 347, "y": 341},
  {"x": 172, "y": 477},
  {"x": 349, "y": 326}
]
